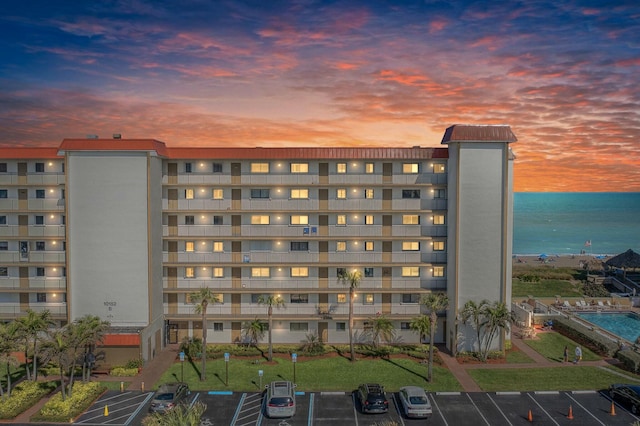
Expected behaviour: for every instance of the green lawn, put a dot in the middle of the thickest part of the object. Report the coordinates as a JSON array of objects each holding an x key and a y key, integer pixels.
[
  {"x": 328, "y": 374},
  {"x": 551, "y": 346},
  {"x": 517, "y": 357},
  {"x": 545, "y": 288}
]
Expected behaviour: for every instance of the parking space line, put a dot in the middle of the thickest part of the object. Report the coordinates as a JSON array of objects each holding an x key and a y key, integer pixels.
[
  {"x": 542, "y": 408},
  {"x": 135, "y": 413},
  {"x": 355, "y": 413},
  {"x": 237, "y": 413},
  {"x": 499, "y": 409},
  {"x": 395, "y": 402},
  {"x": 479, "y": 411},
  {"x": 435, "y": 404},
  {"x": 310, "y": 414},
  {"x": 585, "y": 409},
  {"x": 617, "y": 404}
]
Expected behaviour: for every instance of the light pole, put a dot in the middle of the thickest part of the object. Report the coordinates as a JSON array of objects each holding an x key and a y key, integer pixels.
[
  {"x": 226, "y": 363},
  {"x": 182, "y": 366},
  {"x": 294, "y": 359}
]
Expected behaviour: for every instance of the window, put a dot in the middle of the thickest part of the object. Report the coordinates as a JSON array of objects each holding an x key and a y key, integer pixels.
[
  {"x": 259, "y": 167},
  {"x": 438, "y": 271},
  {"x": 189, "y": 272},
  {"x": 299, "y": 246},
  {"x": 4, "y": 245},
  {"x": 4, "y": 271},
  {"x": 439, "y": 168},
  {"x": 3, "y": 220},
  {"x": 218, "y": 326},
  {"x": 188, "y": 193},
  {"x": 410, "y": 271},
  {"x": 368, "y": 219},
  {"x": 39, "y": 193},
  {"x": 217, "y": 168},
  {"x": 299, "y": 193},
  {"x": 299, "y": 220},
  {"x": 3, "y": 167},
  {"x": 218, "y": 246},
  {"x": 410, "y": 219},
  {"x": 260, "y": 272},
  {"x": 404, "y": 325},
  {"x": 3, "y": 193},
  {"x": 368, "y": 272},
  {"x": 368, "y": 246},
  {"x": 368, "y": 168},
  {"x": 41, "y": 297},
  {"x": 218, "y": 272},
  {"x": 341, "y": 326},
  {"x": 368, "y": 193},
  {"x": 299, "y": 326},
  {"x": 259, "y": 193},
  {"x": 341, "y": 193},
  {"x": 439, "y": 193},
  {"x": 438, "y": 246},
  {"x": 410, "y": 246},
  {"x": 368, "y": 299},
  {"x": 341, "y": 272},
  {"x": 410, "y": 168},
  {"x": 341, "y": 219},
  {"x": 300, "y": 271},
  {"x": 260, "y": 220},
  {"x": 189, "y": 220},
  {"x": 341, "y": 168},
  {"x": 39, "y": 245},
  {"x": 39, "y": 167},
  {"x": 188, "y": 167},
  {"x": 341, "y": 246},
  {"x": 299, "y": 298},
  {"x": 438, "y": 219},
  {"x": 39, "y": 271},
  {"x": 299, "y": 168},
  {"x": 189, "y": 246},
  {"x": 217, "y": 220},
  {"x": 255, "y": 298},
  {"x": 341, "y": 298},
  {"x": 410, "y": 298},
  {"x": 410, "y": 193},
  {"x": 39, "y": 220},
  {"x": 217, "y": 194}
]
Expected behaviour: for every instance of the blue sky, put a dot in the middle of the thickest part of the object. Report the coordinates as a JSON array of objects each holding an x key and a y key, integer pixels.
[{"x": 563, "y": 74}]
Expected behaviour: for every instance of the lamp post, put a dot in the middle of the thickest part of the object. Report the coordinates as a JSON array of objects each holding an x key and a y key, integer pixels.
[
  {"x": 226, "y": 363},
  {"x": 182, "y": 366},
  {"x": 260, "y": 374},
  {"x": 294, "y": 360}
]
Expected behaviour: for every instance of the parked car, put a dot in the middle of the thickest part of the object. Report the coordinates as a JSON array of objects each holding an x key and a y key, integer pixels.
[
  {"x": 627, "y": 395},
  {"x": 280, "y": 399},
  {"x": 168, "y": 396},
  {"x": 372, "y": 398},
  {"x": 415, "y": 402}
]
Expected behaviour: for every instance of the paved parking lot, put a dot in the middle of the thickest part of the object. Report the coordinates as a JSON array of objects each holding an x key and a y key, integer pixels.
[{"x": 339, "y": 408}]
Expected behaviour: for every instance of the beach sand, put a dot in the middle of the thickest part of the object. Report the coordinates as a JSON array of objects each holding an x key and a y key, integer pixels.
[{"x": 560, "y": 261}]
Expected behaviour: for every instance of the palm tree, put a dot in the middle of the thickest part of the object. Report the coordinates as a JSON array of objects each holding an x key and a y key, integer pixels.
[
  {"x": 270, "y": 301},
  {"x": 497, "y": 318},
  {"x": 30, "y": 328},
  {"x": 421, "y": 325},
  {"x": 87, "y": 331},
  {"x": 473, "y": 313},
  {"x": 433, "y": 303},
  {"x": 57, "y": 347},
  {"x": 9, "y": 343},
  {"x": 352, "y": 279},
  {"x": 382, "y": 328},
  {"x": 254, "y": 330},
  {"x": 202, "y": 299}
]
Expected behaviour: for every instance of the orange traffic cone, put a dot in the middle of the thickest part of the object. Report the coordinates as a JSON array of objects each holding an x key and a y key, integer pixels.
[
  {"x": 570, "y": 415},
  {"x": 613, "y": 409},
  {"x": 530, "y": 416}
]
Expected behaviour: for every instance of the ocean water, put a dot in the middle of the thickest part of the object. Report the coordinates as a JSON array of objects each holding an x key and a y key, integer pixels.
[{"x": 563, "y": 222}]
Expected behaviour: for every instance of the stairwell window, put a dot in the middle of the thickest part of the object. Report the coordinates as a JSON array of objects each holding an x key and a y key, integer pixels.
[
  {"x": 218, "y": 272},
  {"x": 438, "y": 219},
  {"x": 189, "y": 193},
  {"x": 218, "y": 194},
  {"x": 438, "y": 246}
]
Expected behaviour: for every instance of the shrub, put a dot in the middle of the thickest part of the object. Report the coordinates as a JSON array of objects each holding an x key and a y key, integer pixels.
[
  {"x": 24, "y": 395},
  {"x": 124, "y": 372},
  {"x": 134, "y": 363},
  {"x": 57, "y": 410},
  {"x": 586, "y": 336},
  {"x": 630, "y": 360}
]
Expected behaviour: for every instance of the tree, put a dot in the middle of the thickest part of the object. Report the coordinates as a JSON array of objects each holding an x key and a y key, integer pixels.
[
  {"x": 270, "y": 302},
  {"x": 433, "y": 303},
  {"x": 9, "y": 343},
  {"x": 497, "y": 317},
  {"x": 254, "y": 330},
  {"x": 202, "y": 299},
  {"x": 57, "y": 347},
  {"x": 352, "y": 279},
  {"x": 421, "y": 325},
  {"x": 382, "y": 328},
  {"x": 473, "y": 314},
  {"x": 86, "y": 332},
  {"x": 31, "y": 326}
]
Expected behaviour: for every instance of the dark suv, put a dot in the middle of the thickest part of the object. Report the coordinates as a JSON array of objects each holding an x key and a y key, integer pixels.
[{"x": 372, "y": 398}]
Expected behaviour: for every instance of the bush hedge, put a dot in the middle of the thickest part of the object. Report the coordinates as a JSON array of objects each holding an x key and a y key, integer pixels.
[
  {"x": 586, "y": 336},
  {"x": 23, "y": 396},
  {"x": 57, "y": 410},
  {"x": 630, "y": 360}
]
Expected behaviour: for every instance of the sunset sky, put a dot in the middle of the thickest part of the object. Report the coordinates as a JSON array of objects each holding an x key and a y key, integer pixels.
[{"x": 565, "y": 75}]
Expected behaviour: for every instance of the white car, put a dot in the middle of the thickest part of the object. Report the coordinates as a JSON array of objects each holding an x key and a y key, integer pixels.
[{"x": 415, "y": 402}]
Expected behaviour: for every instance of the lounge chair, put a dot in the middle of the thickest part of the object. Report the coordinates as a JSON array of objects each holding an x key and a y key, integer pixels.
[
  {"x": 584, "y": 304},
  {"x": 578, "y": 304},
  {"x": 566, "y": 306},
  {"x": 601, "y": 305}
]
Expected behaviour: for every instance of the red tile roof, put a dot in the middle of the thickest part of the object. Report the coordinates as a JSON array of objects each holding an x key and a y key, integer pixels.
[
  {"x": 29, "y": 153},
  {"x": 478, "y": 133}
]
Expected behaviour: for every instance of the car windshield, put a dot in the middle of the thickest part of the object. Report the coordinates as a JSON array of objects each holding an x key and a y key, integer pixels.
[
  {"x": 280, "y": 401},
  {"x": 418, "y": 400},
  {"x": 164, "y": 397}
]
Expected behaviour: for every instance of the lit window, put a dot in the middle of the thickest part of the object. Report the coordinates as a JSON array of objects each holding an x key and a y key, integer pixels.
[
  {"x": 439, "y": 168},
  {"x": 299, "y": 298},
  {"x": 218, "y": 194},
  {"x": 341, "y": 168},
  {"x": 439, "y": 193},
  {"x": 189, "y": 272},
  {"x": 438, "y": 246},
  {"x": 410, "y": 219},
  {"x": 218, "y": 272},
  {"x": 189, "y": 246},
  {"x": 342, "y": 298},
  {"x": 299, "y": 168},
  {"x": 368, "y": 193},
  {"x": 298, "y": 326},
  {"x": 341, "y": 246},
  {"x": 341, "y": 219},
  {"x": 218, "y": 246},
  {"x": 259, "y": 167},
  {"x": 368, "y": 245},
  {"x": 260, "y": 220},
  {"x": 188, "y": 193},
  {"x": 299, "y": 193},
  {"x": 341, "y": 193},
  {"x": 300, "y": 271},
  {"x": 410, "y": 193},
  {"x": 438, "y": 219},
  {"x": 299, "y": 220},
  {"x": 410, "y": 246},
  {"x": 260, "y": 272},
  {"x": 410, "y": 168},
  {"x": 368, "y": 219},
  {"x": 368, "y": 168},
  {"x": 368, "y": 299},
  {"x": 410, "y": 271},
  {"x": 438, "y": 271},
  {"x": 189, "y": 220}
]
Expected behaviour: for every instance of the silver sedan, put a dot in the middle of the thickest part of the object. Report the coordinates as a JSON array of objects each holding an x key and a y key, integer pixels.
[{"x": 414, "y": 402}]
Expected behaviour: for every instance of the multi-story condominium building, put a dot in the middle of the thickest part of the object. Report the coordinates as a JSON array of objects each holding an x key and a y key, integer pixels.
[{"x": 128, "y": 229}]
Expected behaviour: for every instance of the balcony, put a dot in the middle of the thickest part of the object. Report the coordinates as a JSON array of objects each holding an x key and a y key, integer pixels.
[{"x": 9, "y": 311}]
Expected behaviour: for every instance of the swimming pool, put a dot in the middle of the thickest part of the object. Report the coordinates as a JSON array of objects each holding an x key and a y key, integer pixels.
[{"x": 623, "y": 324}]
